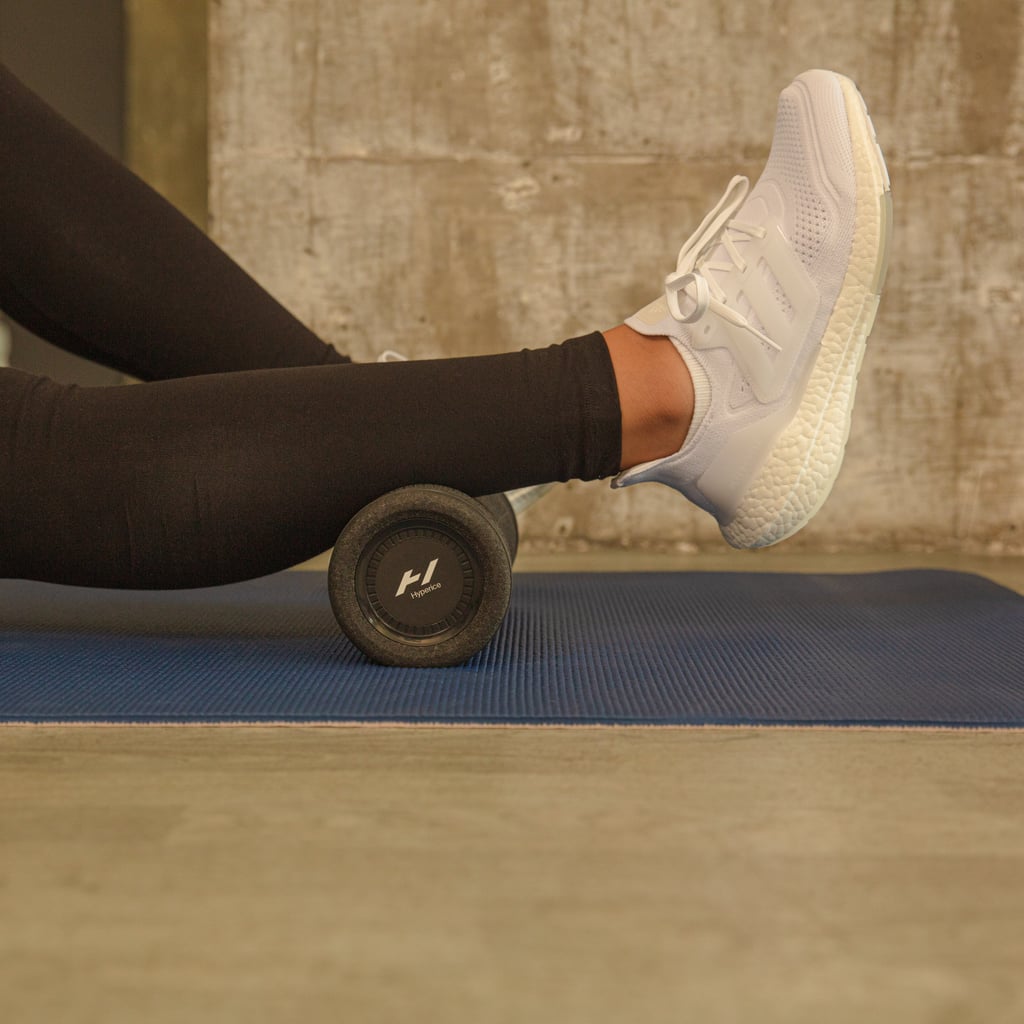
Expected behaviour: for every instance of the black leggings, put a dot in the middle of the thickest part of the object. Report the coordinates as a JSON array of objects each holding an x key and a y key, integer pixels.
[{"x": 254, "y": 442}]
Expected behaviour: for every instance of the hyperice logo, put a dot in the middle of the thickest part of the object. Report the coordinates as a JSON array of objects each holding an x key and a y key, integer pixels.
[{"x": 411, "y": 577}]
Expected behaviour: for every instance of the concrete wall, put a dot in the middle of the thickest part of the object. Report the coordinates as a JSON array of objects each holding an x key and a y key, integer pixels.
[
  {"x": 462, "y": 177},
  {"x": 166, "y": 99}
]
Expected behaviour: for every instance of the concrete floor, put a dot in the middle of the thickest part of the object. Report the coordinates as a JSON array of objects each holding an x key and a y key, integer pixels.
[{"x": 378, "y": 874}]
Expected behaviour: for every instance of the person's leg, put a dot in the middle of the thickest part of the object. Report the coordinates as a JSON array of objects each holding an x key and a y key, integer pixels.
[
  {"x": 258, "y": 470},
  {"x": 655, "y": 395},
  {"x": 96, "y": 262},
  {"x": 218, "y": 478}
]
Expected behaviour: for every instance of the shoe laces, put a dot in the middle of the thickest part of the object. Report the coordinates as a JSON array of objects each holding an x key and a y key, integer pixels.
[{"x": 718, "y": 231}]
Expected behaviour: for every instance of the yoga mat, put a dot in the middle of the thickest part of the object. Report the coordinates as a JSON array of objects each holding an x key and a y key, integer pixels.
[{"x": 910, "y": 648}]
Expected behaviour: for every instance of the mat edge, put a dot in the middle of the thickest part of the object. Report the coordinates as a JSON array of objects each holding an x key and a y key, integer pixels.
[{"x": 522, "y": 726}]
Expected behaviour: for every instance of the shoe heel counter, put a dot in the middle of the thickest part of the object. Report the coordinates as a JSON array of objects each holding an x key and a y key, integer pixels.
[{"x": 727, "y": 481}]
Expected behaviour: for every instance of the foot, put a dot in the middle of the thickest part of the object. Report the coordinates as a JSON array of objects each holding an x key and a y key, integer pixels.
[{"x": 770, "y": 308}]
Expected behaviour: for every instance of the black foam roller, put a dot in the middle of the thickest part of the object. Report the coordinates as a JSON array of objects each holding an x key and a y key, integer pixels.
[{"x": 422, "y": 576}]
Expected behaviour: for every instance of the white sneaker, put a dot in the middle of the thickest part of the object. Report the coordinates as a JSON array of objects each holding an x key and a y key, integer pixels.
[{"x": 770, "y": 307}]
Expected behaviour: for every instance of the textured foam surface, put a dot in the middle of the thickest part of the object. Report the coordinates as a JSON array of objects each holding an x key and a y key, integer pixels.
[{"x": 913, "y": 648}]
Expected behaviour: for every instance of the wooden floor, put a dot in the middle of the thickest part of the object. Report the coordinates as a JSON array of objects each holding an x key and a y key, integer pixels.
[{"x": 379, "y": 874}]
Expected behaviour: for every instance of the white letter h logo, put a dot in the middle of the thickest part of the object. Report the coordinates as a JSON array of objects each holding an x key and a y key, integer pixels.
[{"x": 411, "y": 577}]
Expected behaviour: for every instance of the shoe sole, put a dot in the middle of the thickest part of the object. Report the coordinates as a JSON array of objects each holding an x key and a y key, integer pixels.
[{"x": 798, "y": 475}]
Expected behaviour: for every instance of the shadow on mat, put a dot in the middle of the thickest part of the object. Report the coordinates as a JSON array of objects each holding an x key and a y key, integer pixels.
[{"x": 253, "y": 609}]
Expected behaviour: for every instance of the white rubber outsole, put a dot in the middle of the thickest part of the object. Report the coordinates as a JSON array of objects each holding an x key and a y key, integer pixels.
[{"x": 802, "y": 467}]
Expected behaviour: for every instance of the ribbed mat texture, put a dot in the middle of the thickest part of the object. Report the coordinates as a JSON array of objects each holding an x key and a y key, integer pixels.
[{"x": 898, "y": 648}]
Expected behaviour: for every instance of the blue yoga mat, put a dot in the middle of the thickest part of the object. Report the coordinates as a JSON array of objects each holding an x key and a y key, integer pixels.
[{"x": 918, "y": 648}]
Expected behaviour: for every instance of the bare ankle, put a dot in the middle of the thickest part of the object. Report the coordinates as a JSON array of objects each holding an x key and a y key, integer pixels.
[{"x": 655, "y": 395}]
